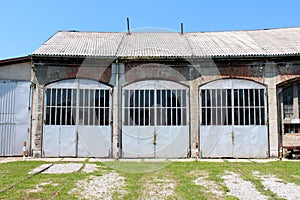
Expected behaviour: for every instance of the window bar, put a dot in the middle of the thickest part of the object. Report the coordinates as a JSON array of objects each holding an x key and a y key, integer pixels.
[
  {"x": 238, "y": 106},
  {"x": 161, "y": 107},
  {"x": 208, "y": 96},
  {"x": 180, "y": 107},
  {"x": 177, "y": 107},
  {"x": 138, "y": 107},
  {"x": 156, "y": 108},
  {"x": 93, "y": 106},
  {"x": 144, "y": 107},
  {"x": 99, "y": 107},
  {"x": 171, "y": 106},
  {"x": 265, "y": 110},
  {"x": 72, "y": 103},
  {"x": 154, "y": 105},
  {"x": 55, "y": 107},
  {"x": 216, "y": 105},
  {"x": 83, "y": 103},
  {"x": 242, "y": 107},
  {"x": 133, "y": 108},
  {"x": 110, "y": 106},
  {"x": 87, "y": 107},
  {"x": 226, "y": 108},
  {"x": 77, "y": 104},
  {"x": 248, "y": 107},
  {"x": 166, "y": 108},
  {"x": 206, "y": 106},
  {"x": 60, "y": 106},
  {"x": 104, "y": 108},
  {"x": 66, "y": 107},
  {"x": 258, "y": 105},
  {"x": 254, "y": 107},
  {"x": 232, "y": 107},
  {"x": 244, "y": 111},
  {"x": 50, "y": 104},
  {"x": 149, "y": 107},
  {"x": 128, "y": 107},
  {"x": 220, "y": 107}
]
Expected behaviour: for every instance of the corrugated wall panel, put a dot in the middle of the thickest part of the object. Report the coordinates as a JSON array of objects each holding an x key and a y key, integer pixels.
[
  {"x": 7, "y": 114},
  {"x": 14, "y": 117}
]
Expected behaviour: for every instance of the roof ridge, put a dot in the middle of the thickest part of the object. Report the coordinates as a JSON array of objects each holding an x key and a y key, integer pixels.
[{"x": 162, "y": 32}]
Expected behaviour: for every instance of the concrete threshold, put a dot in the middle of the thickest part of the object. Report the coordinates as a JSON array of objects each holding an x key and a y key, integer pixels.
[{"x": 215, "y": 160}]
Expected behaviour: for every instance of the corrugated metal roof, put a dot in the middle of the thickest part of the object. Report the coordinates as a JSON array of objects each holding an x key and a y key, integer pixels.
[
  {"x": 154, "y": 45},
  {"x": 272, "y": 42},
  {"x": 66, "y": 43}
]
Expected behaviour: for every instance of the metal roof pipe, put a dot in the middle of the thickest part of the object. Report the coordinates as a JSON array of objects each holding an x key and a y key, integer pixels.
[
  {"x": 128, "y": 27},
  {"x": 181, "y": 28}
]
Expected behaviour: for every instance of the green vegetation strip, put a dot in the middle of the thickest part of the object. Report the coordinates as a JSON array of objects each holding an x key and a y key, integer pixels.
[
  {"x": 24, "y": 179},
  {"x": 138, "y": 175}
]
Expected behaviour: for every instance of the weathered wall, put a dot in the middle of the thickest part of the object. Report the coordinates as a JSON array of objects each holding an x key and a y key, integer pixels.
[
  {"x": 193, "y": 74},
  {"x": 20, "y": 71}
]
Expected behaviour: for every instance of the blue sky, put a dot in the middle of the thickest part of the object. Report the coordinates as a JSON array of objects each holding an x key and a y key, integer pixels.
[{"x": 26, "y": 24}]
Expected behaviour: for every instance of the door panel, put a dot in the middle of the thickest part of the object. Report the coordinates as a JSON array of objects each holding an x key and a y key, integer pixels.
[
  {"x": 216, "y": 141},
  {"x": 51, "y": 141},
  {"x": 94, "y": 141},
  {"x": 67, "y": 141},
  {"x": 251, "y": 142},
  {"x": 172, "y": 142},
  {"x": 138, "y": 142}
]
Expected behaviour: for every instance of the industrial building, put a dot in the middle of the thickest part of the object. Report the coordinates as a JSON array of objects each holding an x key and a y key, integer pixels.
[{"x": 233, "y": 94}]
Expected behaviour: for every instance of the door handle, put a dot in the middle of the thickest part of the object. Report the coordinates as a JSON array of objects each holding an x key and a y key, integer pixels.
[
  {"x": 154, "y": 138},
  {"x": 232, "y": 137}
]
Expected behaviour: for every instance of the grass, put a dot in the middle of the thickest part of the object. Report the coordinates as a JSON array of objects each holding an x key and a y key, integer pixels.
[{"x": 137, "y": 174}]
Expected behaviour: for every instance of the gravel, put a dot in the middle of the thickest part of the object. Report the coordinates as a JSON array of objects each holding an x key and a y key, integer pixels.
[
  {"x": 39, "y": 187},
  {"x": 283, "y": 189},
  {"x": 158, "y": 188},
  {"x": 89, "y": 168},
  {"x": 240, "y": 188},
  {"x": 209, "y": 185},
  {"x": 100, "y": 187}
]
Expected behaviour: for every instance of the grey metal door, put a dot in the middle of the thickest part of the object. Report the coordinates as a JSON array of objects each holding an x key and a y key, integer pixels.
[
  {"x": 77, "y": 115},
  {"x": 233, "y": 119},
  {"x": 155, "y": 120},
  {"x": 14, "y": 116}
]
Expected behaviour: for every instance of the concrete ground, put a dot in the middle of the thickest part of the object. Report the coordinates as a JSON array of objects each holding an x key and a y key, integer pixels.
[{"x": 14, "y": 159}]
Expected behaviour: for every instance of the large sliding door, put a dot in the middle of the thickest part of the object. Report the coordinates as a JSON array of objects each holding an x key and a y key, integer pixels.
[
  {"x": 15, "y": 103},
  {"x": 77, "y": 119},
  {"x": 233, "y": 119},
  {"x": 155, "y": 120}
]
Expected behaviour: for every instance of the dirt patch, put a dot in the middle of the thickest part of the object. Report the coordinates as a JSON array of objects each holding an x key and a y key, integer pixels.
[
  {"x": 240, "y": 188},
  {"x": 278, "y": 186},
  {"x": 209, "y": 185},
  {"x": 40, "y": 187},
  {"x": 100, "y": 187},
  {"x": 158, "y": 188},
  {"x": 89, "y": 168}
]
